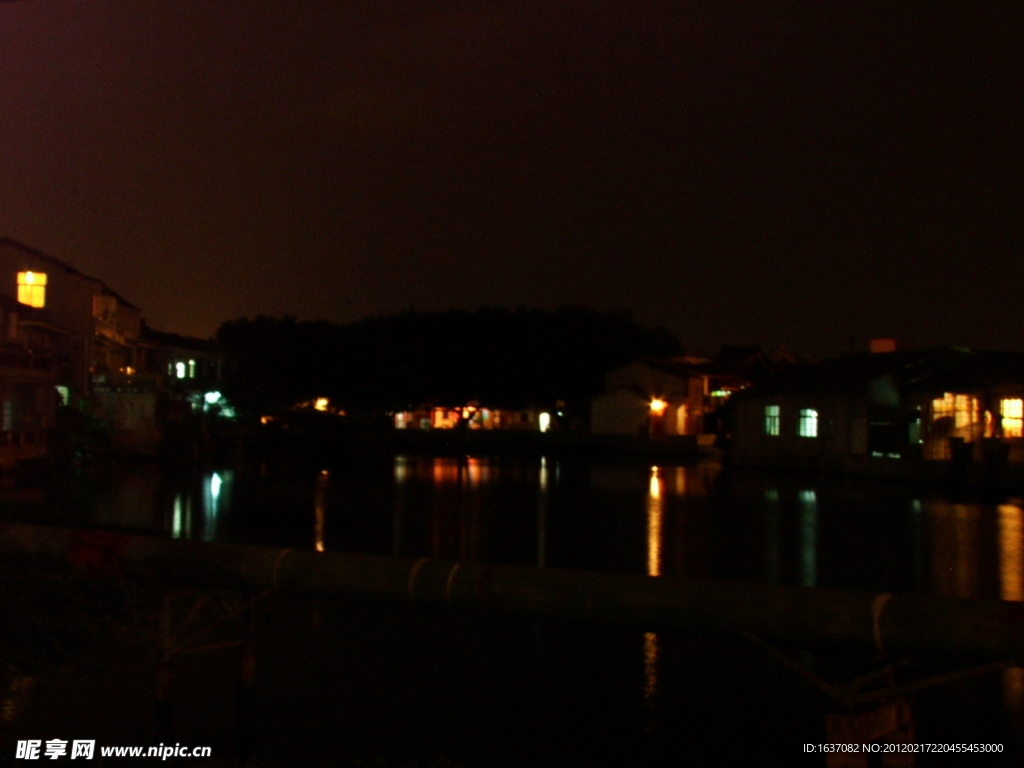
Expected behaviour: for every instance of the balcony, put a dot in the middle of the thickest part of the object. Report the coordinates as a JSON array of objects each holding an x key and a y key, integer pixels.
[
  {"x": 24, "y": 363},
  {"x": 114, "y": 381}
]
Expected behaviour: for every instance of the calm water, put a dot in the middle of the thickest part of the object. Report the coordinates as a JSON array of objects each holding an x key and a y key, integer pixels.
[
  {"x": 684, "y": 521},
  {"x": 519, "y": 692}
]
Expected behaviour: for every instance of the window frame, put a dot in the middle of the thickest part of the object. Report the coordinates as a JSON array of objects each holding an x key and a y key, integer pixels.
[
  {"x": 1011, "y": 418},
  {"x": 808, "y": 423},
  {"x": 32, "y": 288}
]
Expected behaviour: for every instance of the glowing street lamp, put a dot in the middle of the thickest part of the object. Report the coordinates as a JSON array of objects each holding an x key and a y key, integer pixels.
[{"x": 656, "y": 426}]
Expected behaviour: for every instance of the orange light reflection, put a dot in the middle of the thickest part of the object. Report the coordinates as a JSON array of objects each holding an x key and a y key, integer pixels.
[
  {"x": 1011, "y": 552},
  {"x": 319, "y": 509},
  {"x": 654, "y": 515}
]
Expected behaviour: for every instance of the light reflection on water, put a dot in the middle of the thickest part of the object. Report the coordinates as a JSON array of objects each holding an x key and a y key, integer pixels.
[
  {"x": 1011, "y": 576},
  {"x": 214, "y": 494},
  {"x": 808, "y": 538},
  {"x": 320, "y": 509},
  {"x": 954, "y": 548},
  {"x": 772, "y": 553},
  {"x": 650, "y": 667},
  {"x": 1011, "y": 547},
  {"x": 655, "y": 509},
  {"x": 654, "y": 514},
  {"x": 664, "y": 521},
  {"x": 678, "y": 521},
  {"x": 542, "y": 513}
]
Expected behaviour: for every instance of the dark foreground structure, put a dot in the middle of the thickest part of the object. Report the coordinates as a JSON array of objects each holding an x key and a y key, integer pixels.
[
  {"x": 356, "y": 634},
  {"x": 811, "y": 618}
]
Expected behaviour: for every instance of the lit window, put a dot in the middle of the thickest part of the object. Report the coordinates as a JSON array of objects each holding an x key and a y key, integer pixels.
[
  {"x": 771, "y": 420},
  {"x": 544, "y": 421},
  {"x": 191, "y": 369},
  {"x": 32, "y": 288},
  {"x": 1012, "y": 411},
  {"x": 965, "y": 409},
  {"x": 961, "y": 408},
  {"x": 808, "y": 422},
  {"x": 942, "y": 408},
  {"x": 179, "y": 369}
]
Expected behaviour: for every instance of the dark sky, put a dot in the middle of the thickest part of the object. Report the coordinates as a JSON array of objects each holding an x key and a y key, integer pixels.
[{"x": 743, "y": 172}]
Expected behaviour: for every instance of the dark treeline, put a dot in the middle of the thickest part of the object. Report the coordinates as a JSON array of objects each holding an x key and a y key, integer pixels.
[{"x": 496, "y": 357}]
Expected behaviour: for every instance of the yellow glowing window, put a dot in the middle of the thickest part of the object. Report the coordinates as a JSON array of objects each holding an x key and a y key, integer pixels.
[
  {"x": 32, "y": 288},
  {"x": 942, "y": 408},
  {"x": 962, "y": 408},
  {"x": 966, "y": 406},
  {"x": 1012, "y": 411}
]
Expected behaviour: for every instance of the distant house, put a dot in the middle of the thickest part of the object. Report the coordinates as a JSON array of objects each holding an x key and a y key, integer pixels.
[
  {"x": 99, "y": 326},
  {"x": 96, "y": 344},
  {"x": 96, "y": 354},
  {"x": 975, "y": 411},
  {"x": 675, "y": 397},
  {"x": 186, "y": 363},
  {"x": 191, "y": 375},
  {"x": 921, "y": 406},
  {"x": 474, "y": 416}
]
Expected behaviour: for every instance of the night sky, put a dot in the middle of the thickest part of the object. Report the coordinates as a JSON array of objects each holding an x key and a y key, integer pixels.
[{"x": 740, "y": 172}]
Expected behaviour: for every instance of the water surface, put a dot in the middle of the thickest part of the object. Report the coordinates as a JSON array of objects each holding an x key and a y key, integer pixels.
[{"x": 518, "y": 692}]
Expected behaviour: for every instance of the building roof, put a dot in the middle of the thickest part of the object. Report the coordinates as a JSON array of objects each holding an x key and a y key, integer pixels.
[
  {"x": 177, "y": 341},
  {"x": 853, "y": 373},
  {"x": 63, "y": 265},
  {"x": 734, "y": 366},
  {"x": 984, "y": 370}
]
